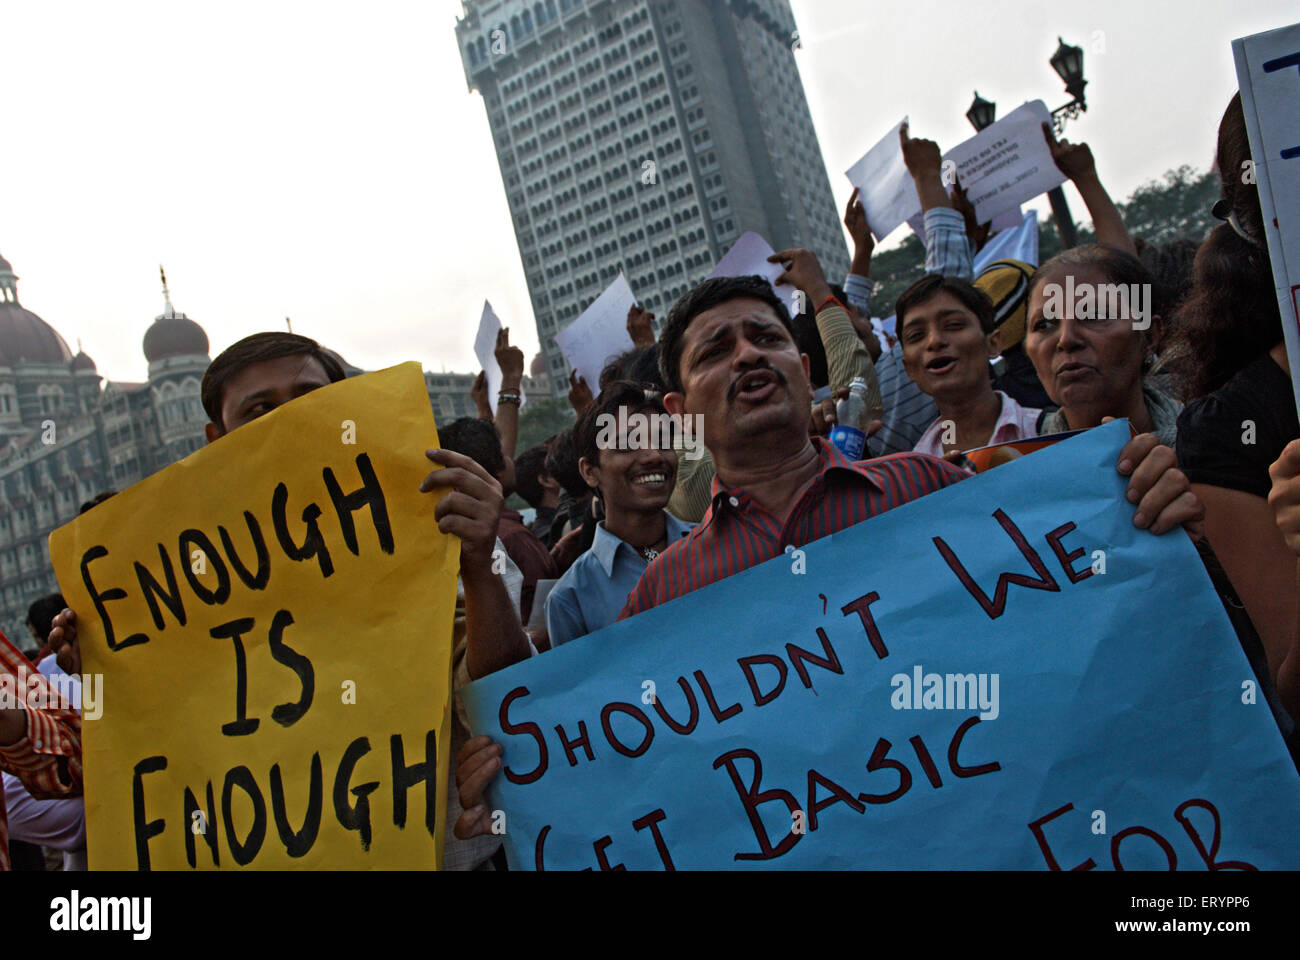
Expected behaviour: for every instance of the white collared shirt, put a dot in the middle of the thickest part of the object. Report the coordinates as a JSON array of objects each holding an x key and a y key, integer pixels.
[{"x": 1014, "y": 423}]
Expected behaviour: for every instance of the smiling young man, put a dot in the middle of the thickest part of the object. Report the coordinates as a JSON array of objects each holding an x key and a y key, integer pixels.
[
  {"x": 633, "y": 478},
  {"x": 947, "y": 331}
]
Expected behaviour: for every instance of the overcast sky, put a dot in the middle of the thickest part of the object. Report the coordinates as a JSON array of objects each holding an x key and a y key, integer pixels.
[{"x": 324, "y": 161}]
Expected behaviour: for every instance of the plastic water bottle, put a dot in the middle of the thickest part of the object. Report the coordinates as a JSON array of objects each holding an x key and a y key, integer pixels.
[{"x": 852, "y": 417}]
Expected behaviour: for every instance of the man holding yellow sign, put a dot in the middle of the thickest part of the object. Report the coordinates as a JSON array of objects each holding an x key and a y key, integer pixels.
[{"x": 257, "y": 715}]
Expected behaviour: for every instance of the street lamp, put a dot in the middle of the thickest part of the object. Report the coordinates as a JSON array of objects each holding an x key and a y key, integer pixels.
[
  {"x": 982, "y": 113},
  {"x": 1068, "y": 64},
  {"x": 1067, "y": 61}
]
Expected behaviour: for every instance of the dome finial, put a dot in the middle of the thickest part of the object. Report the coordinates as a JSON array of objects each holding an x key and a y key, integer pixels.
[
  {"x": 168, "y": 310},
  {"x": 288, "y": 323}
]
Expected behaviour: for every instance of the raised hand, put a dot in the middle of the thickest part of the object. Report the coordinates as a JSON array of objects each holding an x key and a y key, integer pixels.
[
  {"x": 925, "y": 164},
  {"x": 1072, "y": 159},
  {"x": 580, "y": 397},
  {"x": 479, "y": 394},
  {"x": 640, "y": 327},
  {"x": 510, "y": 360},
  {"x": 803, "y": 272},
  {"x": 855, "y": 219}
]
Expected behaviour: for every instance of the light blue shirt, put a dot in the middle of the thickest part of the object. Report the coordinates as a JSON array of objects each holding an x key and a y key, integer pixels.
[{"x": 593, "y": 592}]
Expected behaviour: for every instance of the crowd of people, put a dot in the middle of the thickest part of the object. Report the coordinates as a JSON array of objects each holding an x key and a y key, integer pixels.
[{"x": 1194, "y": 360}]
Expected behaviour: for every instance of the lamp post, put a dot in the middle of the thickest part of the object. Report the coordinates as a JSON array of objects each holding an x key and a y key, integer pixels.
[{"x": 1067, "y": 61}]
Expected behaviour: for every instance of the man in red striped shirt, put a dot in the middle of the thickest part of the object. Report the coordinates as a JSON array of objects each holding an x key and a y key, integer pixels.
[{"x": 727, "y": 353}]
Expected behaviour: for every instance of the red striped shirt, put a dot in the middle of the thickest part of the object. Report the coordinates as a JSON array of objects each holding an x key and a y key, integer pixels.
[
  {"x": 48, "y": 759},
  {"x": 736, "y": 533}
]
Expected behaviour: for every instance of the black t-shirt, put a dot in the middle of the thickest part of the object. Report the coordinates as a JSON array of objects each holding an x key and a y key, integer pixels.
[{"x": 1213, "y": 430}]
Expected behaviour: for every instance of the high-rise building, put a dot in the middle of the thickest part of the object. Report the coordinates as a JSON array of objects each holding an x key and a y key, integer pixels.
[{"x": 645, "y": 136}]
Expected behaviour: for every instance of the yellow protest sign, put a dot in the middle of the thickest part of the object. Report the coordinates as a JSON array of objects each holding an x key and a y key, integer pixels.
[{"x": 272, "y": 618}]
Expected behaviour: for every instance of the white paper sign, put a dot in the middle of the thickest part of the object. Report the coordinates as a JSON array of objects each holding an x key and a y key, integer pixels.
[
  {"x": 485, "y": 344},
  {"x": 1268, "y": 73},
  {"x": 600, "y": 334},
  {"x": 886, "y": 189},
  {"x": 747, "y": 257},
  {"x": 1008, "y": 163}
]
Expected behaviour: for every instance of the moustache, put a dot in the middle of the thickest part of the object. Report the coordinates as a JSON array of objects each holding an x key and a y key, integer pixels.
[{"x": 734, "y": 389}]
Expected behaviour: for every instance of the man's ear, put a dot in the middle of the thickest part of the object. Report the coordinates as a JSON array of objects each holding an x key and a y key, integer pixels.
[
  {"x": 807, "y": 375},
  {"x": 213, "y": 432},
  {"x": 590, "y": 474},
  {"x": 675, "y": 403},
  {"x": 995, "y": 343}
]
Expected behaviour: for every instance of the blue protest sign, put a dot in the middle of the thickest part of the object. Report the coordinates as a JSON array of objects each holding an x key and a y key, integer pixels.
[{"x": 1004, "y": 674}]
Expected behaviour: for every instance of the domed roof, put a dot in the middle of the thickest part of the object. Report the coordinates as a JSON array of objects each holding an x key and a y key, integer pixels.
[
  {"x": 83, "y": 362},
  {"x": 25, "y": 336},
  {"x": 174, "y": 335}
]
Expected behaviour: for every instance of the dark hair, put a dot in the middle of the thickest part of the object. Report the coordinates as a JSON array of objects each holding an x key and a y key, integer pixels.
[
  {"x": 1171, "y": 265},
  {"x": 619, "y": 394},
  {"x": 638, "y": 365},
  {"x": 476, "y": 439},
  {"x": 701, "y": 297},
  {"x": 1119, "y": 266},
  {"x": 530, "y": 465},
  {"x": 42, "y": 612},
  {"x": 562, "y": 464},
  {"x": 1231, "y": 315},
  {"x": 932, "y": 284},
  {"x": 259, "y": 348},
  {"x": 96, "y": 500}
]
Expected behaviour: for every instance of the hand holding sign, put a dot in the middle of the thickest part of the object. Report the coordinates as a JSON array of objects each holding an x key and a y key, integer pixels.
[
  {"x": 599, "y": 334},
  {"x": 640, "y": 327},
  {"x": 471, "y": 511},
  {"x": 580, "y": 397},
  {"x": 855, "y": 220},
  {"x": 1161, "y": 491},
  {"x": 804, "y": 273},
  {"x": 476, "y": 764},
  {"x": 886, "y": 190},
  {"x": 510, "y": 360},
  {"x": 1284, "y": 498},
  {"x": 1072, "y": 159},
  {"x": 479, "y": 394},
  {"x": 63, "y": 641},
  {"x": 925, "y": 164}
]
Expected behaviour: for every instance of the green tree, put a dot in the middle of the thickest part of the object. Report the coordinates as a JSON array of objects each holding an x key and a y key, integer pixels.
[
  {"x": 1175, "y": 207},
  {"x": 542, "y": 419},
  {"x": 894, "y": 271}
]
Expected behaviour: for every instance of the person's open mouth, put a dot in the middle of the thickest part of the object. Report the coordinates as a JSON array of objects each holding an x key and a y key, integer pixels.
[
  {"x": 940, "y": 366},
  {"x": 756, "y": 386},
  {"x": 655, "y": 480}
]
